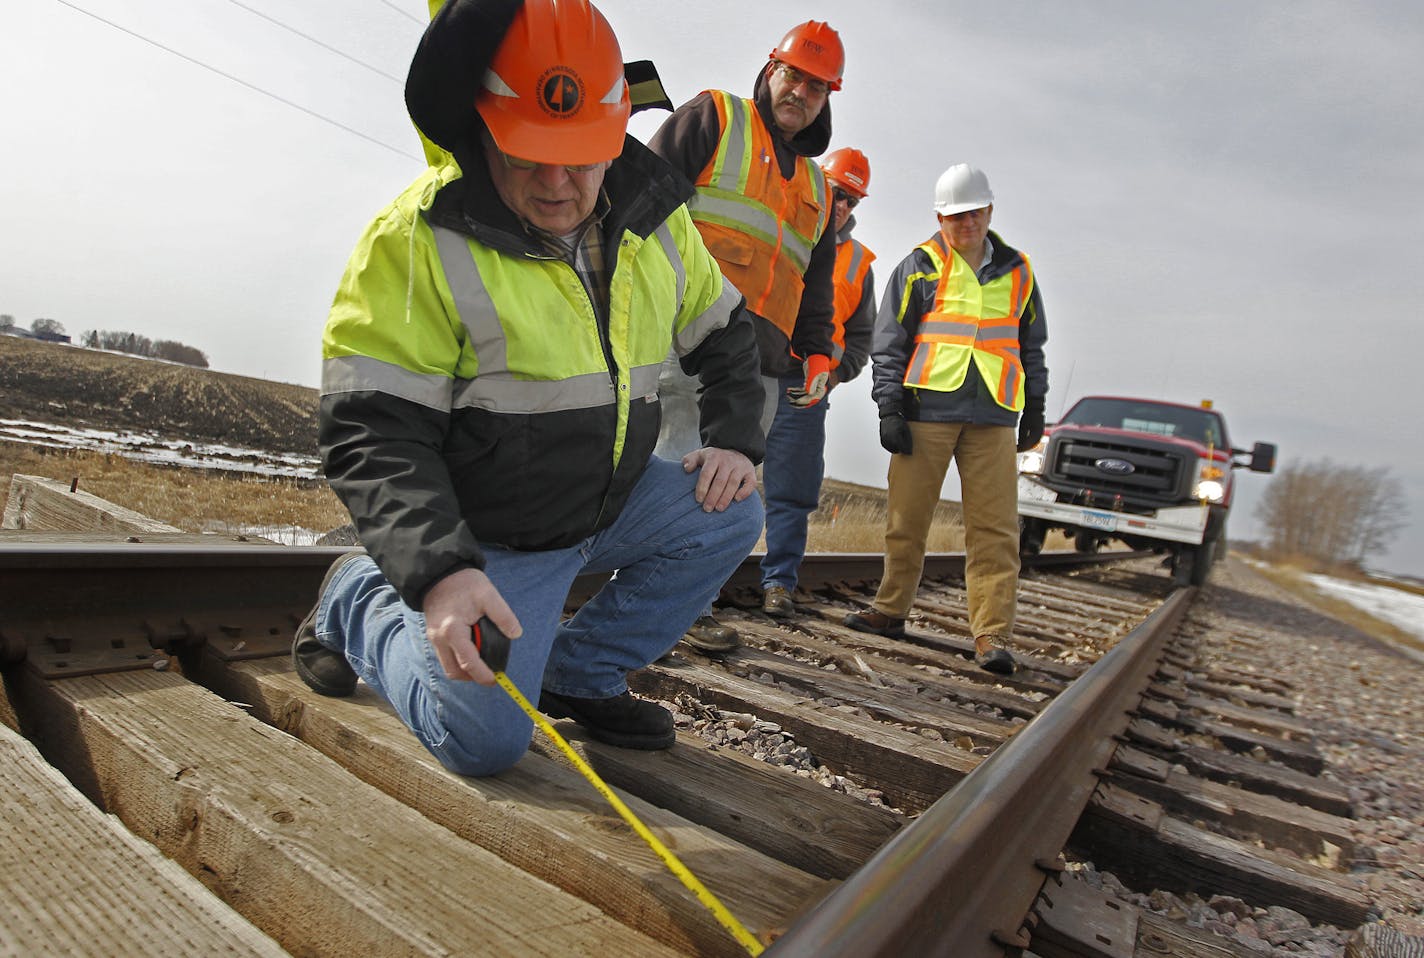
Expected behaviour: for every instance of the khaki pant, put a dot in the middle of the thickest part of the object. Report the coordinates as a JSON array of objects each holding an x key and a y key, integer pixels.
[{"x": 988, "y": 478}]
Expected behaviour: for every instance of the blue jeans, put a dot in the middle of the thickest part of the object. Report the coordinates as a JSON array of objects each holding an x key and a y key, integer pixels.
[
  {"x": 791, "y": 476},
  {"x": 670, "y": 558}
]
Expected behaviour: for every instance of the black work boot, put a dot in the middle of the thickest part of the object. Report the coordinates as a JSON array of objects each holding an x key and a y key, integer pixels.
[
  {"x": 621, "y": 720},
  {"x": 324, "y": 671}
]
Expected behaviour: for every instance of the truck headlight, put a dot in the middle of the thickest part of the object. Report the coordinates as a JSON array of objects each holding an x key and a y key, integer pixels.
[
  {"x": 1031, "y": 462},
  {"x": 1209, "y": 490}
]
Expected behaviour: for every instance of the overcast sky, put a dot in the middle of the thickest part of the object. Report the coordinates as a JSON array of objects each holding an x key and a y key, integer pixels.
[{"x": 1222, "y": 200}]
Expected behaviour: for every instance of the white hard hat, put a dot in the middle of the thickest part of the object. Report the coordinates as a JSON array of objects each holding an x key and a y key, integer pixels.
[{"x": 962, "y": 188}]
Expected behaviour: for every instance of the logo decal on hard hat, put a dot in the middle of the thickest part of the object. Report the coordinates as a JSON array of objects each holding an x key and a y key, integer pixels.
[{"x": 560, "y": 92}]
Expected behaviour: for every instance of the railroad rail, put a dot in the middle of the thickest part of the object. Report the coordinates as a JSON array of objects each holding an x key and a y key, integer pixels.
[{"x": 154, "y": 676}]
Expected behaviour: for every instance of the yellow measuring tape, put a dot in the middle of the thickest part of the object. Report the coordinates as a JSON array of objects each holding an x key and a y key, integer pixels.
[{"x": 709, "y": 900}]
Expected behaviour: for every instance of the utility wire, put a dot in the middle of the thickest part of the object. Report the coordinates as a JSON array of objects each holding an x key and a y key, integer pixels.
[
  {"x": 406, "y": 14},
  {"x": 320, "y": 43},
  {"x": 238, "y": 80}
]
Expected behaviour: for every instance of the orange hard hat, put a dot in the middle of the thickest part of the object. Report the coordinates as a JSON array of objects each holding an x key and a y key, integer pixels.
[
  {"x": 814, "y": 49},
  {"x": 850, "y": 169},
  {"x": 554, "y": 92}
]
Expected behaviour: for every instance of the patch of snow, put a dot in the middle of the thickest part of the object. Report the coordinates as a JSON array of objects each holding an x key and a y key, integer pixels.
[
  {"x": 1403, "y": 610},
  {"x": 150, "y": 447},
  {"x": 286, "y": 535}
]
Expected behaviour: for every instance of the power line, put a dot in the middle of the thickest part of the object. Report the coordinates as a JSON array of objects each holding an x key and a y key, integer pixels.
[
  {"x": 407, "y": 15},
  {"x": 238, "y": 80},
  {"x": 320, "y": 43}
]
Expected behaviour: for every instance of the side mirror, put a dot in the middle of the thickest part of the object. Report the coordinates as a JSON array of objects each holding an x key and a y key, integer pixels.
[{"x": 1263, "y": 457}]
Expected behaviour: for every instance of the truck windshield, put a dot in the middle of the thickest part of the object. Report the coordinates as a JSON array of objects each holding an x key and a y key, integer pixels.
[{"x": 1199, "y": 425}]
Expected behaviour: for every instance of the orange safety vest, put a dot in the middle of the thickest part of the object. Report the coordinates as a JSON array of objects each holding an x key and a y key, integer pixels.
[
  {"x": 971, "y": 322},
  {"x": 760, "y": 227},
  {"x": 852, "y": 266}
]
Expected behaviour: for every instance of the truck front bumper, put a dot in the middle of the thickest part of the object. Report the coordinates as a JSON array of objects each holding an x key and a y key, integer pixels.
[{"x": 1176, "y": 524}]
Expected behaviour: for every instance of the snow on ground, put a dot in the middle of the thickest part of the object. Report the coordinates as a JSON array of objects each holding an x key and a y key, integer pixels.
[
  {"x": 150, "y": 447},
  {"x": 285, "y": 535},
  {"x": 1403, "y": 610}
]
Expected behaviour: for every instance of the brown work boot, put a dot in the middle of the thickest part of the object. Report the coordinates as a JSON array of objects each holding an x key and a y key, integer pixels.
[
  {"x": 324, "y": 670},
  {"x": 876, "y": 623},
  {"x": 776, "y": 601},
  {"x": 709, "y": 635}
]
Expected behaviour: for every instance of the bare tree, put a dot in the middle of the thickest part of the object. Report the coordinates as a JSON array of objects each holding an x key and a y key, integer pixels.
[
  {"x": 1332, "y": 514},
  {"x": 51, "y": 327},
  {"x": 7, "y": 322},
  {"x": 180, "y": 353}
]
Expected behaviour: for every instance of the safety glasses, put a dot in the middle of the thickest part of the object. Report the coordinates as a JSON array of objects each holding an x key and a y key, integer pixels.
[
  {"x": 795, "y": 78},
  {"x": 515, "y": 163},
  {"x": 841, "y": 196}
]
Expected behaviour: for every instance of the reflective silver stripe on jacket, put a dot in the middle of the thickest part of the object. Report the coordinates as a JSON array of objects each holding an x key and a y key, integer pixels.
[
  {"x": 495, "y": 388},
  {"x": 348, "y": 374},
  {"x": 945, "y": 327},
  {"x": 713, "y": 317},
  {"x": 730, "y": 178},
  {"x": 674, "y": 257},
  {"x": 857, "y": 253},
  {"x": 735, "y": 210}
]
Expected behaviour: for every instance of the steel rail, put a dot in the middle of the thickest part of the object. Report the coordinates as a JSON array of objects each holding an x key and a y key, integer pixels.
[
  {"x": 77, "y": 607},
  {"x": 960, "y": 880}
]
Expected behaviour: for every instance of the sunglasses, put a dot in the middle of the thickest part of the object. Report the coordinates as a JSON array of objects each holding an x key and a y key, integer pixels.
[
  {"x": 841, "y": 196},
  {"x": 795, "y": 78}
]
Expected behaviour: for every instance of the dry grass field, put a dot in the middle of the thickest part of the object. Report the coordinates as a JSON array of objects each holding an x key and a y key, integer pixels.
[
  {"x": 199, "y": 500},
  {"x": 45, "y": 382},
  {"x": 69, "y": 386}
]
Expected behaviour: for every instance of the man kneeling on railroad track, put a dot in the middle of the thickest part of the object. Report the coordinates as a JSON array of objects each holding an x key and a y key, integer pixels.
[{"x": 489, "y": 401}]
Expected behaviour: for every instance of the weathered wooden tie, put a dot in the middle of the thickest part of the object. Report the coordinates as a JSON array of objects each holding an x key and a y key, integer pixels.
[
  {"x": 540, "y": 816},
  {"x": 74, "y": 881},
  {"x": 316, "y": 858}
]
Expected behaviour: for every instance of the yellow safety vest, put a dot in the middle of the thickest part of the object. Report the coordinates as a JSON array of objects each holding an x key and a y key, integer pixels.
[
  {"x": 760, "y": 227},
  {"x": 971, "y": 322}
]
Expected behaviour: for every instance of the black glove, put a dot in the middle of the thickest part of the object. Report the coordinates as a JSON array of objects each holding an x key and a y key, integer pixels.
[
  {"x": 895, "y": 435},
  {"x": 1030, "y": 424}
]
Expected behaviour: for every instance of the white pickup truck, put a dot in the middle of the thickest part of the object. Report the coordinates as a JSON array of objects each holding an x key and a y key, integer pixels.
[{"x": 1154, "y": 475}]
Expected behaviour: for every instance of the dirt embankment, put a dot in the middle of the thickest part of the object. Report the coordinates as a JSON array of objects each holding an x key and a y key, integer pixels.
[{"x": 83, "y": 388}]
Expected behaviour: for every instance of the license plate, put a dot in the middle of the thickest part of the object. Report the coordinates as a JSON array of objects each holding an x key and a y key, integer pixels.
[{"x": 1100, "y": 520}]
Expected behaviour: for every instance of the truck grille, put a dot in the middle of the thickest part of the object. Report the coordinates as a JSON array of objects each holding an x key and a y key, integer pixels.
[{"x": 1160, "y": 474}]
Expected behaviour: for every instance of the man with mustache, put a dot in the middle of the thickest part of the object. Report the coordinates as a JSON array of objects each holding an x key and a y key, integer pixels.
[{"x": 764, "y": 209}]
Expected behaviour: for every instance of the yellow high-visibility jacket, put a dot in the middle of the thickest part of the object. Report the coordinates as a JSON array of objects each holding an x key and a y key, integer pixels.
[{"x": 473, "y": 392}]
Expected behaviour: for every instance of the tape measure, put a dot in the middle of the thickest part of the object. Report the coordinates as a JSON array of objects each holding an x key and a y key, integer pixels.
[{"x": 493, "y": 646}]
